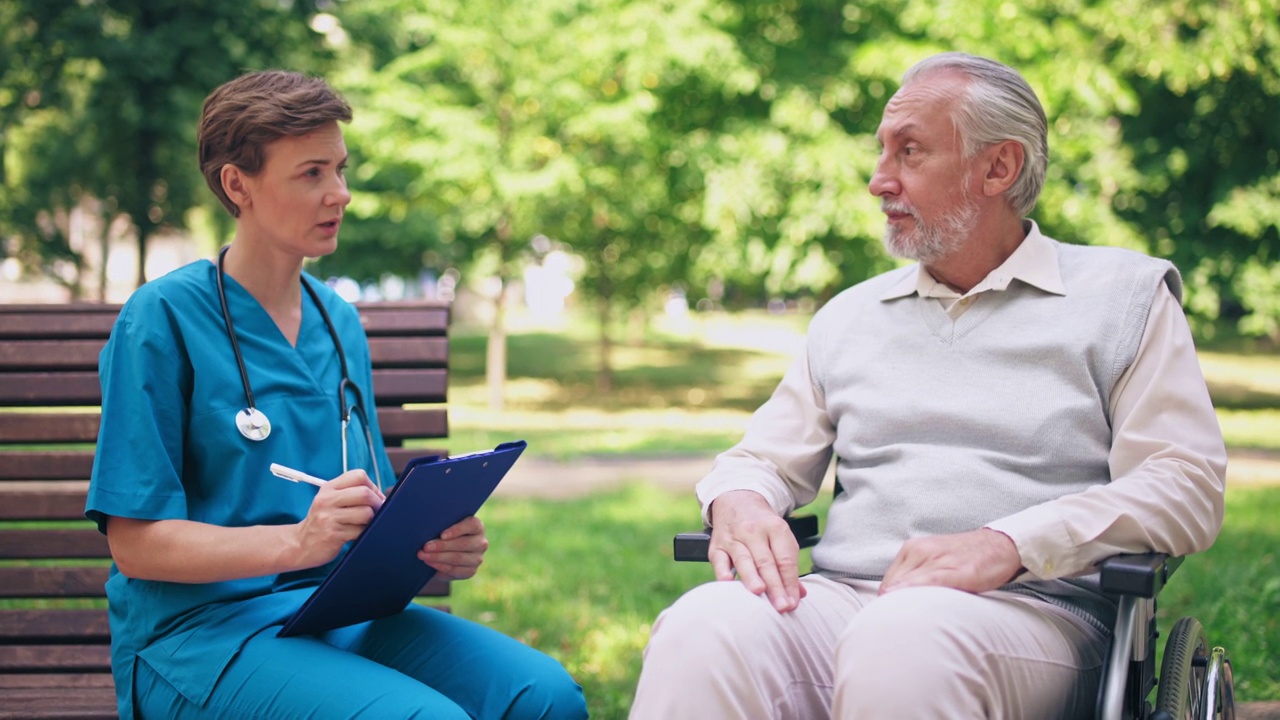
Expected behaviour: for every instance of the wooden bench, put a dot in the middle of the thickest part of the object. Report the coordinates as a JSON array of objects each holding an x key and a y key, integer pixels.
[{"x": 55, "y": 659}]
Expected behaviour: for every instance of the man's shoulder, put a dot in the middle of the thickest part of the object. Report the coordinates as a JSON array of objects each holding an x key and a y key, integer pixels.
[
  {"x": 1102, "y": 254},
  {"x": 1109, "y": 264},
  {"x": 872, "y": 289}
]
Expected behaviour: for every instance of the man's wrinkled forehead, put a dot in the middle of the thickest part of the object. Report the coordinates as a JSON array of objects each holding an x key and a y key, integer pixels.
[{"x": 923, "y": 105}]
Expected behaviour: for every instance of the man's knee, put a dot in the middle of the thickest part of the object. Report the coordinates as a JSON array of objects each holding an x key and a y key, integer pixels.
[
  {"x": 902, "y": 639},
  {"x": 980, "y": 657},
  {"x": 707, "y": 622}
]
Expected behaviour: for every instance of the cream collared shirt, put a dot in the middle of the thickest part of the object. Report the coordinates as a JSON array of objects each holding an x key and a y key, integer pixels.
[{"x": 1147, "y": 505}]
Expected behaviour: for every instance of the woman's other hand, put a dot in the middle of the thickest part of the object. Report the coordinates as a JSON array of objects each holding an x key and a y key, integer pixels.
[{"x": 458, "y": 551}]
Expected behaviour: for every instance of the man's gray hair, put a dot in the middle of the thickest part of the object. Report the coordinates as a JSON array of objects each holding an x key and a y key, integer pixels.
[{"x": 997, "y": 104}]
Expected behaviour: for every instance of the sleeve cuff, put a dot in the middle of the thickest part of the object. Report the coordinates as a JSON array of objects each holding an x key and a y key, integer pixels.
[
  {"x": 1043, "y": 541},
  {"x": 730, "y": 474}
]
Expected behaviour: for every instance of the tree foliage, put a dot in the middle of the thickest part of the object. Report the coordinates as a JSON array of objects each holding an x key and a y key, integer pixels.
[
  {"x": 704, "y": 144},
  {"x": 106, "y": 95}
]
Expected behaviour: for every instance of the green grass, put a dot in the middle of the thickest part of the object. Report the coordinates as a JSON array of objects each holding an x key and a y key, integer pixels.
[{"x": 1233, "y": 589}]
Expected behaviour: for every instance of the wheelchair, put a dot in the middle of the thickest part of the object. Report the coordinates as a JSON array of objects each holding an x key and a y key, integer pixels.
[{"x": 1194, "y": 682}]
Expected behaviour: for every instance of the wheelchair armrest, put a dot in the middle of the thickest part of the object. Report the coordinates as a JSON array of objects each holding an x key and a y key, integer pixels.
[
  {"x": 693, "y": 546},
  {"x": 1137, "y": 575}
]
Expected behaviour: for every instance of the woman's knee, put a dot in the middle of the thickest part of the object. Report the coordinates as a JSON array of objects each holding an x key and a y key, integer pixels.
[{"x": 546, "y": 690}]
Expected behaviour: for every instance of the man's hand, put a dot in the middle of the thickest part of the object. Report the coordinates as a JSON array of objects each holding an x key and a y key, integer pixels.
[
  {"x": 749, "y": 538},
  {"x": 976, "y": 561}
]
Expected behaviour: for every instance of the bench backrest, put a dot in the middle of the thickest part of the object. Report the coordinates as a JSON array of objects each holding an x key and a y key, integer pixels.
[{"x": 53, "y": 562}]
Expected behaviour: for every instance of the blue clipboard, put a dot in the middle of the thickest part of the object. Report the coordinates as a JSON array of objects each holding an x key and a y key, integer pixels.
[{"x": 381, "y": 573}]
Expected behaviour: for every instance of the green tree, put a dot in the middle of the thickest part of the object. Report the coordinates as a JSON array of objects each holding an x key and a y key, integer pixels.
[
  {"x": 129, "y": 77},
  {"x": 510, "y": 121}
]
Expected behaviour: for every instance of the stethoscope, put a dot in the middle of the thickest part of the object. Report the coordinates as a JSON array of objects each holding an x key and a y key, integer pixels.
[{"x": 254, "y": 424}]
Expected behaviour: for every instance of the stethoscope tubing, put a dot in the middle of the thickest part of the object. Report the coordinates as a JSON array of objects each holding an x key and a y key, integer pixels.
[{"x": 347, "y": 384}]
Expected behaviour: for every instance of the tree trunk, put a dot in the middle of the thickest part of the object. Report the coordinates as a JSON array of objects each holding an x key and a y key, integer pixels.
[
  {"x": 104, "y": 240},
  {"x": 495, "y": 359},
  {"x": 604, "y": 374}
]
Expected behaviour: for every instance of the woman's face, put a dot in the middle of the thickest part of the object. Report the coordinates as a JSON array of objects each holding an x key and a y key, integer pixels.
[{"x": 295, "y": 203}]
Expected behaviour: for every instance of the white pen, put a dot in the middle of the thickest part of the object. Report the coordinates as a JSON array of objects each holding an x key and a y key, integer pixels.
[{"x": 289, "y": 473}]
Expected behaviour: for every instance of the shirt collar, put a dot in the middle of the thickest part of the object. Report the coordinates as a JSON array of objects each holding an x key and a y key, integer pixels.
[{"x": 1034, "y": 262}]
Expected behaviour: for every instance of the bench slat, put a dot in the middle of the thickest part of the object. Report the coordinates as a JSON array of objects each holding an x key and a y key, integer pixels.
[
  {"x": 72, "y": 465},
  {"x": 67, "y": 658},
  {"x": 53, "y": 427},
  {"x": 416, "y": 352},
  {"x": 72, "y": 387},
  {"x": 43, "y": 500},
  {"x": 42, "y": 543},
  {"x": 393, "y": 386},
  {"x": 65, "y": 704},
  {"x": 400, "y": 386},
  {"x": 46, "y": 465},
  {"x": 53, "y": 582},
  {"x": 400, "y": 424},
  {"x": 72, "y": 427},
  {"x": 63, "y": 355},
  {"x": 51, "y": 354},
  {"x": 43, "y": 626},
  {"x": 75, "y": 321},
  {"x": 55, "y": 680},
  {"x": 90, "y": 582},
  {"x": 404, "y": 318}
]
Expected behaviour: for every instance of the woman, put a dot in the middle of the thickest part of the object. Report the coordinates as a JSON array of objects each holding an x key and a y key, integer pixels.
[{"x": 214, "y": 372}]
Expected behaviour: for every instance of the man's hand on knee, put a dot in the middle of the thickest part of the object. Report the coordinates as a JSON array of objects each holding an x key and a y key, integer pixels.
[
  {"x": 749, "y": 539},
  {"x": 976, "y": 561}
]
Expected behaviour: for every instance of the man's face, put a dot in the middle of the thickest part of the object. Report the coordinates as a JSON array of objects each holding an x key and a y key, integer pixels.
[
  {"x": 921, "y": 177},
  {"x": 299, "y": 196}
]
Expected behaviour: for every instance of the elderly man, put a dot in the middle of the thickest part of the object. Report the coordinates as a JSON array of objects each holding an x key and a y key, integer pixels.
[{"x": 1004, "y": 414}]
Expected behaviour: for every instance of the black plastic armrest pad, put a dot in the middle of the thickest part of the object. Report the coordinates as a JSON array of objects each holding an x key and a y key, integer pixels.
[
  {"x": 1137, "y": 575},
  {"x": 693, "y": 546}
]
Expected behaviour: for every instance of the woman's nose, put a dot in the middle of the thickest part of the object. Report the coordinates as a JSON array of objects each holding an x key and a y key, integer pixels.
[{"x": 339, "y": 195}]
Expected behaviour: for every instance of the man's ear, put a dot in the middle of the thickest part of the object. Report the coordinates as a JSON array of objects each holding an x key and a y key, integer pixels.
[
  {"x": 235, "y": 185},
  {"x": 1003, "y": 165}
]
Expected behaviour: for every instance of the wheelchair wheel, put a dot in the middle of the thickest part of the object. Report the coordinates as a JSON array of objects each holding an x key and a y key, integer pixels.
[{"x": 1195, "y": 683}]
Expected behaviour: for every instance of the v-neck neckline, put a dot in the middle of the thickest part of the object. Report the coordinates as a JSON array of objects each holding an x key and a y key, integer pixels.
[{"x": 307, "y": 328}]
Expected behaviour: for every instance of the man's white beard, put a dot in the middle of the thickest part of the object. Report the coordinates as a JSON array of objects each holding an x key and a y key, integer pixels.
[{"x": 928, "y": 243}]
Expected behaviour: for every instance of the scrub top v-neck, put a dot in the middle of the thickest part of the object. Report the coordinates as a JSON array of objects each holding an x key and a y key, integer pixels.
[{"x": 169, "y": 449}]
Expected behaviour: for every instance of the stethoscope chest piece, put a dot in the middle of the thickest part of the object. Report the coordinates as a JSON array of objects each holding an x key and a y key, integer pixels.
[{"x": 253, "y": 424}]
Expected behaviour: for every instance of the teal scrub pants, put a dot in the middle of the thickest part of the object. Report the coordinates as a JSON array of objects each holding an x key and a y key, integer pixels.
[{"x": 421, "y": 663}]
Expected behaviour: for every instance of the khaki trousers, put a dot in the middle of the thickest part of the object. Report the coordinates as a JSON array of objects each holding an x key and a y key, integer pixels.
[{"x": 721, "y": 653}]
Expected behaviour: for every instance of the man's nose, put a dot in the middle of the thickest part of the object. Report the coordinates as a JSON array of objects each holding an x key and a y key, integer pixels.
[{"x": 882, "y": 181}]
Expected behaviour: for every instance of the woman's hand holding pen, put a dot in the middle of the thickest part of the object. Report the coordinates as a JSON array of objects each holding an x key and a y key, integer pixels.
[
  {"x": 340, "y": 511},
  {"x": 458, "y": 551}
]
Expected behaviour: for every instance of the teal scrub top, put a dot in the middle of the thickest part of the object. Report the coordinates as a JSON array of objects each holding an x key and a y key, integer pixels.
[{"x": 169, "y": 448}]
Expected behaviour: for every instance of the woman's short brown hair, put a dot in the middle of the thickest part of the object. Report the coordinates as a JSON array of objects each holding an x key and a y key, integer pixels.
[{"x": 242, "y": 116}]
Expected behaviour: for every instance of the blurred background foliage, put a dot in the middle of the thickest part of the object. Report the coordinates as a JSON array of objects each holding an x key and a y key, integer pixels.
[{"x": 717, "y": 147}]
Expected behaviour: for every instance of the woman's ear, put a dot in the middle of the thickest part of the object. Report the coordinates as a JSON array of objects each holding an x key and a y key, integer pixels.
[
  {"x": 1003, "y": 166},
  {"x": 235, "y": 185}
]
